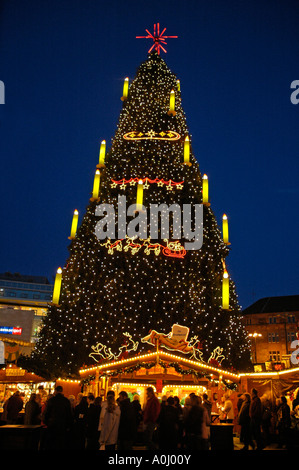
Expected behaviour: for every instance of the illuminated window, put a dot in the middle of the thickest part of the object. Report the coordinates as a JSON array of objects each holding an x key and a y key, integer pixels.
[{"x": 274, "y": 356}]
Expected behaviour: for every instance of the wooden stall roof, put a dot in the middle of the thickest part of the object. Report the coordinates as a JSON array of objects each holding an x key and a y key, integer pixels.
[
  {"x": 18, "y": 375},
  {"x": 154, "y": 358},
  {"x": 292, "y": 373},
  {"x": 6, "y": 339}
]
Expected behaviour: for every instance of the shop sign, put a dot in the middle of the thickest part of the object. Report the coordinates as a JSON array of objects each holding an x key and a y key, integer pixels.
[
  {"x": 14, "y": 372},
  {"x": 10, "y": 330}
]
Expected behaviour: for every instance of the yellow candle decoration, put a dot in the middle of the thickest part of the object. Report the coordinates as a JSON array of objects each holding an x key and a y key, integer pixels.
[
  {"x": 225, "y": 291},
  {"x": 74, "y": 224},
  {"x": 187, "y": 151},
  {"x": 57, "y": 287},
  {"x": 96, "y": 186},
  {"x": 205, "y": 190},
  {"x": 139, "y": 198},
  {"x": 172, "y": 104},
  {"x": 225, "y": 229},
  {"x": 178, "y": 85},
  {"x": 102, "y": 154},
  {"x": 125, "y": 89}
]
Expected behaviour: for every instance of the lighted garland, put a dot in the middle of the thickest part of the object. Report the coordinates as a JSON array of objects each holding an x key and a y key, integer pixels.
[
  {"x": 170, "y": 185},
  {"x": 87, "y": 380},
  {"x": 148, "y": 366},
  {"x": 230, "y": 385}
]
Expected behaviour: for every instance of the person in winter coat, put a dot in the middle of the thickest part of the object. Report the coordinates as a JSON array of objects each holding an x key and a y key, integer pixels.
[
  {"x": 79, "y": 426},
  {"x": 244, "y": 422},
  {"x": 228, "y": 410},
  {"x": 180, "y": 413},
  {"x": 207, "y": 404},
  {"x": 58, "y": 419},
  {"x": 138, "y": 410},
  {"x": 110, "y": 417},
  {"x": 168, "y": 426},
  {"x": 32, "y": 411},
  {"x": 127, "y": 424},
  {"x": 283, "y": 421},
  {"x": 193, "y": 424},
  {"x": 92, "y": 422},
  {"x": 150, "y": 417},
  {"x": 104, "y": 405},
  {"x": 14, "y": 406},
  {"x": 255, "y": 413},
  {"x": 205, "y": 435}
]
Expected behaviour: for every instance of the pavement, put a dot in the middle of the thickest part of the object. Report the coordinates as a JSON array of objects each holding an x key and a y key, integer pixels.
[
  {"x": 237, "y": 446},
  {"x": 273, "y": 446}
]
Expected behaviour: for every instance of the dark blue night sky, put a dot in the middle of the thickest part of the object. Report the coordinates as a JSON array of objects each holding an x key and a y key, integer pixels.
[{"x": 63, "y": 64}]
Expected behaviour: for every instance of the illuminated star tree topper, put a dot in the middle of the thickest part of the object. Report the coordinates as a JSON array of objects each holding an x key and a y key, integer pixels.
[{"x": 158, "y": 38}]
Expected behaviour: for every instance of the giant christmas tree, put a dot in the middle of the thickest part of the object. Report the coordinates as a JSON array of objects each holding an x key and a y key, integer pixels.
[{"x": 126, "y": 284}]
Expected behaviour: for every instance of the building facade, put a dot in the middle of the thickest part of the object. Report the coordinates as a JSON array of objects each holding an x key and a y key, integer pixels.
[
  {"x": 23, "y": 303},
  {"x": 272, "y": 326}
]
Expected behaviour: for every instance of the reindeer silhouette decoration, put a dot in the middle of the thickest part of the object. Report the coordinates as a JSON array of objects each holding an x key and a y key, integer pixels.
[{"x": 101, "y": 350}]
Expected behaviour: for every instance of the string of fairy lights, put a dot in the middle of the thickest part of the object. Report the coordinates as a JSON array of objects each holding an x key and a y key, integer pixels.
[{"x": 99, "y": 295}]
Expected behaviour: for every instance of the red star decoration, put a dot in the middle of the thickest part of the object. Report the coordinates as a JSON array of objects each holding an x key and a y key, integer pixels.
[{"x": 157, "y": 37}]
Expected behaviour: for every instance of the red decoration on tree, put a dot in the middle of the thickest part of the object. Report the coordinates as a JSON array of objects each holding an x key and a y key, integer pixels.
[{"x": 157, "y": 37}]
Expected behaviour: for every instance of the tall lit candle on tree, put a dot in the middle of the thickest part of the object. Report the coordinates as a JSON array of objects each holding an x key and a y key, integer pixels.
[
  {"x": 125, "y": 89},
  {"x": 187, "y": 151},
  {"x": 225, "y": 290},
  {"x": 225, "y": 229},
  {"x": 172, "y": 104},
  {"x": 139, "y": 198},
  {"x": 205, "y": 189},
  {"x": 57, "y": 287},
  {"x": 102, "y": 154},
  {"x": 96, "y": 186},
  {"x": 74, "y": 224}
]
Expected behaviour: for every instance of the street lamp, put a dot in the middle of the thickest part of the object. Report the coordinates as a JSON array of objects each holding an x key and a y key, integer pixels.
[{"x": 254, "y": 336}]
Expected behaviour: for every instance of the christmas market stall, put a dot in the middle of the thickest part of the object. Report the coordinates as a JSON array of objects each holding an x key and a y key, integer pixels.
[
  {"x": 272, "y": 385},
  {"x": 167, "y": 373},
  {"x": 177, "y": 373},
  {"x": 13, "y": 378}
]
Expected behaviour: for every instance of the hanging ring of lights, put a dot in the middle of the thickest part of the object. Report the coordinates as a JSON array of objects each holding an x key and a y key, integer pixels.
[{"x": 152, "y": 135}]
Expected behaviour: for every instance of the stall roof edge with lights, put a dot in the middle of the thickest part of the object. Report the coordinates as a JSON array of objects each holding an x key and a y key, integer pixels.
[{"x": 160, "y": 360}]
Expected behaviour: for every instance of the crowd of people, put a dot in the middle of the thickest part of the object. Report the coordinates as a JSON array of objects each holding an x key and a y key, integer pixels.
[
  {"x": 165, "y": 425},
  {"x": 263, "y": 423},
  {"x": 87, "y": 422}
]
